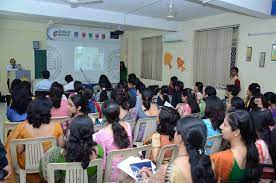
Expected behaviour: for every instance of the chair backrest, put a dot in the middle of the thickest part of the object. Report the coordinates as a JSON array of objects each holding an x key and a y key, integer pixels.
[
  {"x": 144, "y": 128},
  {"x": 132, "y": 124},
  {"x": 124, "y": 153},
  {"x": 93, "y": 116},
  {"x": 7, "y": 126},
  {"x": 173, "y": 148},
  {"x": 33, "y": 152},
  {"x": 213, "y": 144},
  {"x": 74, "y": 171},
  {"x": 60, "y": 119}
]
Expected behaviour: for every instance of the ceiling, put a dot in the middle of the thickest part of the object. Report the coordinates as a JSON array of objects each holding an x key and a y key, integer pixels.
[{"x": 185, "y": 10}]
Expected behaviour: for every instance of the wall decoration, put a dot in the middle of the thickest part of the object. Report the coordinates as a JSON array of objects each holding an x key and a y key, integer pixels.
[
  {"x": 273, "y": 53},
  {"x": 248, "y": 54},
  {"x": 168, "y": 59},
  {"x": 262, "y": 59},
  {"x": 180, "y": 64}
]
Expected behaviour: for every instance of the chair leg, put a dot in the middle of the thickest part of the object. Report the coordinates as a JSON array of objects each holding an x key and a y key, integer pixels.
[{"x": 22, "y": 176}]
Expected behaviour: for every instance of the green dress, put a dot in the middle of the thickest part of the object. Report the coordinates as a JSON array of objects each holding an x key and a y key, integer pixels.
[
  {"x": 123, "y": 74},
  {"x": 55, "y": 155}
]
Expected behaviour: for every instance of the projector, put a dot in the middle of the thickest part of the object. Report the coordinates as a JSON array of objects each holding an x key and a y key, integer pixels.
[{"x": 116, "y": 34}]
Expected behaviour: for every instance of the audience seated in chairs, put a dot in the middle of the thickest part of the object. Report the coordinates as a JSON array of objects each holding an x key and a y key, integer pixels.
[
  {"x": 80, "y": 147},
  {"x": 59, "y": 101},
  {"x": 37, "y": 125},
  {"x": 116, "y": 135},
  {"x": 191, "y": 165},
  {"x": 21, "y": 98},
  {"x": 92, "y": 105}
]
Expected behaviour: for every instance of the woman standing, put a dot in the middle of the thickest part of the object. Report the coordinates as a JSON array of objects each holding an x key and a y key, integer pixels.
[
  {"x": 234, "y": 77},
  {"x": 123, "y": 71}
]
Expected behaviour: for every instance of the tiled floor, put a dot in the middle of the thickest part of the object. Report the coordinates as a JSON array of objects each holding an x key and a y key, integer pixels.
[{"x": 3, "y": 107}]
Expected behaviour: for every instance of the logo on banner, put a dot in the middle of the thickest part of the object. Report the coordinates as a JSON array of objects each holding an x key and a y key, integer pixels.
[
  {"x": 97, "y": 35},
  {"x": 58, "y": 33},
  {"x": 83, "y": 35},
  {"x": 103, "y": 36},
  {"x": 76, "y": 34},
  {"x": 90, "y": 35}
]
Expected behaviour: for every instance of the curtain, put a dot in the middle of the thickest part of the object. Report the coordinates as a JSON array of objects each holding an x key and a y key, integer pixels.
[
  {"x": 151, "y": 65},
  {"x": 212, "y": 56}
]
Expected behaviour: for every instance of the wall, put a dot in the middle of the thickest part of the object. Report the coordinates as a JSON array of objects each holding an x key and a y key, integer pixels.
[
  {"x": 249, "y": 71},
  {"x": 16, "y": 38}
]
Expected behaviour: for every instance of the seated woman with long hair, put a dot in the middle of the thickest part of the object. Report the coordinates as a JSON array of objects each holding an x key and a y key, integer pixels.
[
  {"x": 214, "y": 113},
  {"x": 168, "y": 117},
  {"x": 37, "y": 125},
  {"x": 189, "y": 104},
  {"x": 121, "y": 97},
  {"x": 20, "y": 100},
  {"x": 147, "y": 109},
  {"x": 241, "y": 161},
  {"x": 191, "y": 165},
  {"x": 116, "y": 135},
  {"x": 80, "y": 147},
  {"x": 59, "y": 101}
]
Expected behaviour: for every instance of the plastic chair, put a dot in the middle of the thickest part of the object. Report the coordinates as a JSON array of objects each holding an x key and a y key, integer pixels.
[
  {"x": 74, "y": 171},
  {"x": 8, "y": 126},
  {"x": 213, "y": 144},
  {"x": 123, "y": 154},
  {"x": 33, "y": 153},
  {"x": 93, "y": 116},
  {"x": 172, "y": 147},
  {"x": 59, "y": 119},
  {"x": 132, "y": 124},
  {"x": 143, "y": 129}
]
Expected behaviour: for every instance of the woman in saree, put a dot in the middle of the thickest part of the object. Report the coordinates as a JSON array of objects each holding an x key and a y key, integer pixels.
[
  {"x": 80, "y": 147},
  {"x": 241, "y": 161},
  {"x": 37, "y": 125}
]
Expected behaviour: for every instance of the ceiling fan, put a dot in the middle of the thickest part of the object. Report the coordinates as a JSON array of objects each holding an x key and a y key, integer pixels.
[
  {"x": 171, "y": 13},
  {"x": 76, "y": 3}
]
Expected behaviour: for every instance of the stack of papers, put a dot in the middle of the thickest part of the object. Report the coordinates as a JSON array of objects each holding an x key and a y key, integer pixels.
[{"x": 133, "y": 165}]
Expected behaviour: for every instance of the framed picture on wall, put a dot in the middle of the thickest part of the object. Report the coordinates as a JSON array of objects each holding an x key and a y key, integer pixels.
[
  {"x": 262, "y": 59},
  {"x": 273, "y": 53},
  {"x": 248, "y": 54}
]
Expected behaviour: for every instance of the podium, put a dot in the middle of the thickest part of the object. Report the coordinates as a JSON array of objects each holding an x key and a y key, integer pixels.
[{"x": 23, "y": 75}]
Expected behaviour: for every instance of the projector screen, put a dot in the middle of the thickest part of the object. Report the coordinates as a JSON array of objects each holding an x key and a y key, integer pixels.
[{"x": 84, "y": 60}]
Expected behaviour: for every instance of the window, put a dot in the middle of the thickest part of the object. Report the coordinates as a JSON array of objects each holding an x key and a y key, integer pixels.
[
  {"x": 214, "y": 55},
  {"x": 152, "y": 51}
]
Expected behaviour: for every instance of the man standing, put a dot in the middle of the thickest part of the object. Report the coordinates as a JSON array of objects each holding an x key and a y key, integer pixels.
[{"x": 12, "y": 66}]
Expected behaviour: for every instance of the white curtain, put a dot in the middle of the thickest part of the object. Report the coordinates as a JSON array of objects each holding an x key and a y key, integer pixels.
[
  {"x": 212, "y": 56},
  {"x": 152, "y": 51}
]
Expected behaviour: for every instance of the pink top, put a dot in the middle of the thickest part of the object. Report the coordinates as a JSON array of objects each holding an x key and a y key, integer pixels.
[
  {"x": 186, "y": 109},
  {"x": 106, "y": 140},
  {"x": 61, "y": 111}
]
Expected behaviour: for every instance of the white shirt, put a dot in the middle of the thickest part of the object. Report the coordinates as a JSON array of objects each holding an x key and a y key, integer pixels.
[
  {"x": 45, "y": 84},
  {"x": 9, "y": 68},
  {"x": 69, "y": 86}
]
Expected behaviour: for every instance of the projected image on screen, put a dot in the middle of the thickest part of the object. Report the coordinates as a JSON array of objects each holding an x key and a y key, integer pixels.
[{"x": 89, "y": 58}]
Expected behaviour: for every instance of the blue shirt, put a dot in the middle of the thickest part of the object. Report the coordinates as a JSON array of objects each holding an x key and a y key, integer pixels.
[
  {"x": 14, "y": 116},
  {"x": 45, "y": 84},
  {"x": 132, "y": 91},
  {"x": 210, "y": 130}
]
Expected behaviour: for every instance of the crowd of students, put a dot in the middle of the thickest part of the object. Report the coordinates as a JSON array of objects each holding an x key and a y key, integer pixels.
[{"x": 184, "y": 116}]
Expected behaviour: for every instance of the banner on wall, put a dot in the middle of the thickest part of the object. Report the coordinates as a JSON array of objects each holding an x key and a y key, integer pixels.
[{"x": 63, "y": 33}]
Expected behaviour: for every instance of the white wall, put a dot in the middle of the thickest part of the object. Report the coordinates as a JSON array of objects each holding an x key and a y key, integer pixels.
[
  {"x": 249, "y": 71},
  {"x": 16, "y": 41}
]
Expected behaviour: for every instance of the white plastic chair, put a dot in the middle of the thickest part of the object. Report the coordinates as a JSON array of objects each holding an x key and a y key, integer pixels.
[
  {"x": 7, "y": 126},
  {"x": 143, "y": 129},
  {"x": 132, "y": 124},
  {"x": 33, "y": 153},
  {"x": 74, "y": 171},
  {"x": 213, "y": 144},
  {"x": 173, "y": 148},
  {"x": 123, "y": 154},
  {"x": 60, "y": 119}
]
